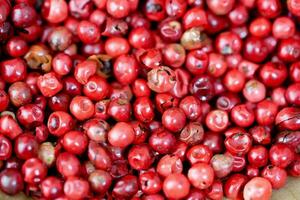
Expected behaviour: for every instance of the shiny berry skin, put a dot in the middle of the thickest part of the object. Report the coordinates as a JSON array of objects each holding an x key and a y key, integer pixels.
[
  {"x": 194, "y": 17},
  {"x": 19, "y": 94},
  {"x": 119, "y": 109},
  {"x": 96, "y": 88},
  {"x": 294, "y": 72},
  {"x": 140, "y": 157},
  {"x": 281, "y": 155},
  {"x": 258, "y": 156},
  {"x": 260, "y": 27},
  {"x": 16, "y": 47},
  {"x": 273, "y": 74},
  {"x": 55, "y": 11},
  {"x": 238, "y": 143},
  {"x": 174, "y": 119},
  {"x": 269, "y": 9},
  {"x": 26, "y": 146},
  {"x": 202, "y": 87},
  {"x": 59, "y": 123},
  {"x": 234, "y": 80},
  {"x": 23, "y": 15},
  {"x": 76, "y": 188},
  {"x": 6, "y": 148},
  {"x": 257, "y": 188},
  {"x": 141, "y": 38},
  {"x": 11, "y": 181},
  {"x": 49, "y": 84},
  {"x": 222, "y": 164},
  {"x": 199, "y": 154},
  {"x": 216, "y": 65},
  {"x": 255, "y": 50},
  {"x": 88, "y": 32},
  {"x": 30, "y": 115},
  {"x": 173, "y": 55},
  {"x": 4, "y": 100},
  {"x": 266, "y": 112},
  {"x": 118, "y": 8},
  {"x": 71, "y": 86},
  {"x": 82, "y": 107},
  {"x": 201, "y": 175},
  {"x": 140, "y": 88},
  {"x": 175, "y": 8},
  {"x": 196, "y": 62},
  {"x": 116, "y": 46},
  {"x": 9, "y": 127},
  {"x": 191, "y": 106},
  {"x": 100, "y": 181},
  {"x": 170, "y": 30},
  {"x": 176, "y": 186},
  {"x": 254, "y": 91},
  {"x": 121, "y": 135},
  {"x": 52, "y": 187},
  {"x": 60, "y": 38},
  {"x": 292, "y": 6},
  {"x": 228, "y": 43},
  {"x": 125, "y": 69},
  {"x": 67, "y": 164},
  {"x": 169, "y": 164},
  {"x": 292, "y": 94},
  {"x": 288, "y": 50},
  {"x": 34, "y": 171},
  {"x": 217, "y": 120},
  {"x": 283, "y": 28},
  {"x": 162, "y": 141},
  {"x": 75, "y": 142},
  {"x": 150, "y": 182},
  {"x": 13, "y": 70},
  {"x": 277, "y": 176},
  {"x": 125, "y": 187},
  {"x": 155, "y": 10},
  {"x": 242, "y": 115},
  {"x": 99, "y": 156},
  {"x": 84, "y": 70},
  {"x": 227, "y": 101},
  {"x": 233, "y": 187},
  {"x": 287, "y": 118},
  {"x": 62, "y": 64},
  {"x": 220, "y": 7},
  {"x": 143, "y": 109}
]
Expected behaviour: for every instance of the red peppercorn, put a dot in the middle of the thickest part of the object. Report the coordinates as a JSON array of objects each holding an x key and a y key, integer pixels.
[
  {"x": 11, "y": 181},
  {"x": 217, "y": 120},
  {"x": 34, "y": 171},
  {"x": 96, "y": 88},
  {"x": 275, "y": 175},
  {"x": 55, "y": 11},
  {"x": 82, "y": 107},
  {"x": 234, "y": 185},
  {"x": 281, "y": 155},
  {"x": 258, "y": 188},
  {"x": 121, "y": 135},
  {"x": 141, "y": 38},
  {"x": 174, "y": 119},
  {"x": 52, "y": 187},
  {"x": 140, "y": 157},
  {"x": 76, "y": 188},
  {"x": 125, "y": 69},
  {"x": 176, "y": 186},
  {"x": 9, "y": 127},
  {"x": 162, "y": 141},
  {"x": 201, "y": 175}
]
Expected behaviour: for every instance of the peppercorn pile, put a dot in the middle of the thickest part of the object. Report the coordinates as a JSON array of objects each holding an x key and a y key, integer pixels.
[{"x": 149, "y": 99}]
